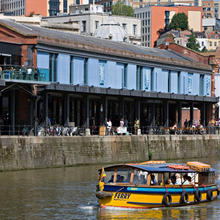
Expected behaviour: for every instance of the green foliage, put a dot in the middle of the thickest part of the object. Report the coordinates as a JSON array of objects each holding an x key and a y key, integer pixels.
[
  {"x": 124, "y": 10},
  {"x": 204, "y": 49},
  {"x": 192, "y": 44},
  {"x": 179, "y": 21}
]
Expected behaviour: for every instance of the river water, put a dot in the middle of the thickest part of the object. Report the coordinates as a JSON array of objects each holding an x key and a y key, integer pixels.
[{"x": 69, "y": 193}]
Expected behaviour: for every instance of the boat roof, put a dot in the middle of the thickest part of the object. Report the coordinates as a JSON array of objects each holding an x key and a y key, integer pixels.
[{"x": 156, "y": 168}]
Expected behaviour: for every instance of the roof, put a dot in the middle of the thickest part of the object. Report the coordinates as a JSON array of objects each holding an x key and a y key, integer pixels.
[
  {"x": 87, "y": 43},
  {"x": 155, "y": 168}
]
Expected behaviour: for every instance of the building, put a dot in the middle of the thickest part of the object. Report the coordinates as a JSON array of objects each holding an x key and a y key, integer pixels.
[
  {"x": 29, "y": 7},
  {"x": 140, "y": 4},
  {"x": 90, "y": 22},
  {"x": 217, "y": 8},
  {"x": 85, "y": 80},
  {"x": 208, "y": 8},
  {"x": 155, "y": 18},
  {"x": 208, "y": 24}
]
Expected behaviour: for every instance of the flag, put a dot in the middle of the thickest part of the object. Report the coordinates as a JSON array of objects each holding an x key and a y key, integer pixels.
[{"x": 103, "y": 174}]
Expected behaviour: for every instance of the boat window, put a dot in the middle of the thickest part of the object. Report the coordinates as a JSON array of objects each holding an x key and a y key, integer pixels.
[
  {"x": 140, "y": 177},
  {"x": 156, "y": 178},
  {"x": 123, "y": 176},
  {"x": 109, "y": 176},
  {"x": 206, "y": 178}
]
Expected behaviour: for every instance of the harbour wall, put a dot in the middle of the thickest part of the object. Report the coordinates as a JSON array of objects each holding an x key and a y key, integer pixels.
[{"x": 19, "y": 152}]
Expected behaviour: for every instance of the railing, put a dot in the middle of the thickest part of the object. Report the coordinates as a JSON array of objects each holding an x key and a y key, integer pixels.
[
  {"x": 21, "y": 73},
  {"x": 59, "y": 130}
]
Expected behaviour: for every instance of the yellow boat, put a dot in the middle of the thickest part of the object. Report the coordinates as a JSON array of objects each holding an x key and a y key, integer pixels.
[{"x": 154, "y": 184}]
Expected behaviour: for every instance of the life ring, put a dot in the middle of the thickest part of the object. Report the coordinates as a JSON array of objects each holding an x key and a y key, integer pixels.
[
  {"x": 167, "y": 200},
  {"x": 184, "y": 198},
  {"x": 209, "y": 195},
  {"x": 198, "y": 195}
]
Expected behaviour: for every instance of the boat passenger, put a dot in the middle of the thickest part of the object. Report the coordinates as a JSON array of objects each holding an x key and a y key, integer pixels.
[
  {"x": 173, "y": 179},
  {"x": 111, "y": 180},
  {"x": 178, "y": 179},
  {"x": 186, "y": 180},
  {"x": 153, "y": 181},
  {"x": 169, "y": 182}
]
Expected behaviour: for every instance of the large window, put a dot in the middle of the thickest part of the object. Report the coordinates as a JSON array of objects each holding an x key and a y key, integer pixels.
[
  {"x": 85, "y": 71},
  {"x": 53, "y": 68},
  {"x": 190, "y": 77},
  {"x": 102, "y": 72}
]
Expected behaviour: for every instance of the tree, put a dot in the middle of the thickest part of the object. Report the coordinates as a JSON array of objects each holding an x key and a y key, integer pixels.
[
  {"x": 120, "y": 9},
  {"x": 204, "y": 49},
  {"x": 179, "y": 21},
  {"x": 192, "y": 44}
]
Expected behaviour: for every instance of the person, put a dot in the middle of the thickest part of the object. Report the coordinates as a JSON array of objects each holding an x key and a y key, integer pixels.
[
  {"x": 185, "y": 123},
  {"x": 178, "y": 179},
  {"x": 173, "y": 179},
  {"x": 109, "y": 127},
  {"x": 122, "y": 123},
  {"x": 136, "y": 126},
  {"x": 153, "y": 181},
  {"x": 169, "y": 182},
  {"x": 186, "y": 181}
]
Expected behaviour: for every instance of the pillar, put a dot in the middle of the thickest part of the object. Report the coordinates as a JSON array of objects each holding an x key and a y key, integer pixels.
[
  {"x": 138, "y": 110},
  {"x": 166, "y": 109},
  {"x": 153, "y": 115},
  {"x": 78, "y": 112},
  {"x": 105, "y": 108},
  {"x": 203, "y": 114},
  {"x": 191, "y": 114},
  {"x": 12, "y": 112},
  {"x": 179, "y": 115},
  {"x": 86, "y": 110},
  {"x": 66, "y": 110},
  {"x": 46, "y": 108},
  {"x": 122, "y": 107}
]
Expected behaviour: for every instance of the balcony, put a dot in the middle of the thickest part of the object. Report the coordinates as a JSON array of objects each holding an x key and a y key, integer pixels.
[{"x": 20, "y": 73}]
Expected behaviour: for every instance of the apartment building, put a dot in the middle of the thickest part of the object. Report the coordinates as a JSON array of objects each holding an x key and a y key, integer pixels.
[
  {"x": 29, "y": 7},
  {"x": 154, "y": 18}
]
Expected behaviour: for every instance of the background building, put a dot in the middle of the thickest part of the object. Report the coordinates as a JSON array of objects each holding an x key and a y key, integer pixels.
[
  {"x": 155, "y": 18},
  {"x": 91, "y": 17},
  {"x": 29, "y": 7}
]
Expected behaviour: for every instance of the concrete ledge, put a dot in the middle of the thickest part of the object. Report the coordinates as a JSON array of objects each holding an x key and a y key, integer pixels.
[{"x": 19, "y": 152}]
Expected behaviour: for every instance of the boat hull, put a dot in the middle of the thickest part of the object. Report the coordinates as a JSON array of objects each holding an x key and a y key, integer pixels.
[{"x": 149, "y": 197}]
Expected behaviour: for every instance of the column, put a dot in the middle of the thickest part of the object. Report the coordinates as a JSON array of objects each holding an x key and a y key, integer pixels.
[
  {"x": 86, "y": 110},
  {"x": 191, "y": 114},
  {"x": 78, "y": 113},
  {"x": 153, "y": 107},
  {"x": 166, "y": 109},
  {"x": 12, "y": 112},
  {"x": 122, "y": 104},
  {"x": 105, "y": 108},
  {"x": 46, "y": 108},
  {"x": 179, "y": 115},
  {"x": 203, "y": 114},
  {"x": 66, "y": 110},
  {"x": 138, "y": 110}
]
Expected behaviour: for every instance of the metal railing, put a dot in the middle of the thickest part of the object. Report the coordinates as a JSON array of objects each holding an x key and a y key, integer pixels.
[
  {"x": 21, "y": 73},
  {"x": 59, "y": 130}
]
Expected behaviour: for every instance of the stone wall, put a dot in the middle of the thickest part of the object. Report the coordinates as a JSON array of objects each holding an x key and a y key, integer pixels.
[{"x": 18, "y": 152}]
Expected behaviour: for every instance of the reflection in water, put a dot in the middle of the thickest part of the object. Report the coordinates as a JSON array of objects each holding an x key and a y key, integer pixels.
[{"x": 69, "y": 193}]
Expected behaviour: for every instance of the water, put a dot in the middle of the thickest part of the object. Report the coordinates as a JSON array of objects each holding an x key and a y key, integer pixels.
[{"x": 68, "y": 193}]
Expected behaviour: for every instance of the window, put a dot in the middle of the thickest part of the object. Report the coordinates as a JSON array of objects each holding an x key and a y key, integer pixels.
[
  {"x": 134, "y": 29},
  {"x": 190, "y": 76},
  {"x": 201, "y": 85},
  {"x": 124, "y": 76},
  {"x": 84, "y": 26},
  {"x": 124, "y": 26},
  {"x": 96, "y": 24},
  {"x": 215, "y": 44},
  {"x": 101, "y": 72},
  {"x": 138, "y": 77},
  {"x": 86, "y": 71},
  {"x": 210, "y": 43},
  {"x": 53, "y": 68}
]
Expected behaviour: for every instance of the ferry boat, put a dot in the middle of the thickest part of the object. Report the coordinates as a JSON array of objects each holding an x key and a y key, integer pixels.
[{"x": 155, "y": 184}]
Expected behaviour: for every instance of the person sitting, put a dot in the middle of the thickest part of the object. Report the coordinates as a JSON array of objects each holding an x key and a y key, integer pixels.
[
  {"x": 153, "y": 181},
  {"x": 178, "y": 179},
  {"x": 186, "y": 181},
  {"x": 173, "y": 179},
  {"x": 169, "y": 182}
]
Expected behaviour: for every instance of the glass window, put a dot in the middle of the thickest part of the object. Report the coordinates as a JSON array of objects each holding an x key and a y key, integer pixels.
[
  {"x": 140, "y": 177},
  {"x": 123, "y": 176},
  {"x": 109, "y": 177},
  {"x": 101, "y": 72},
  {"x": 190, "y": 76},
  {"x": 84, "y": 26},
  {"x": 134, "y": 29}
]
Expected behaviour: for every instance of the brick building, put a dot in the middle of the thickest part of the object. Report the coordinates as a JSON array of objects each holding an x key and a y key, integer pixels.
[
  {"x": 86, "y": 80},
  {"x": 155, "y": 18}
]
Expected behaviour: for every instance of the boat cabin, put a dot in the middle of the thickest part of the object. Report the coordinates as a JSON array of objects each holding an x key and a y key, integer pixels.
[{"x": 155, "y": 175}]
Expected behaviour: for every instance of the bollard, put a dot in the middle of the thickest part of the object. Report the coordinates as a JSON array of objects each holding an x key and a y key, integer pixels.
[
  {"x": 87, "y": 132},
  {"x": 139, "y": 132}
]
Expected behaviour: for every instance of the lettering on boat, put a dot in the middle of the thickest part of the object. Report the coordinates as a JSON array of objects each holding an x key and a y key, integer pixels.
[{"x": 122, "y": 196}]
